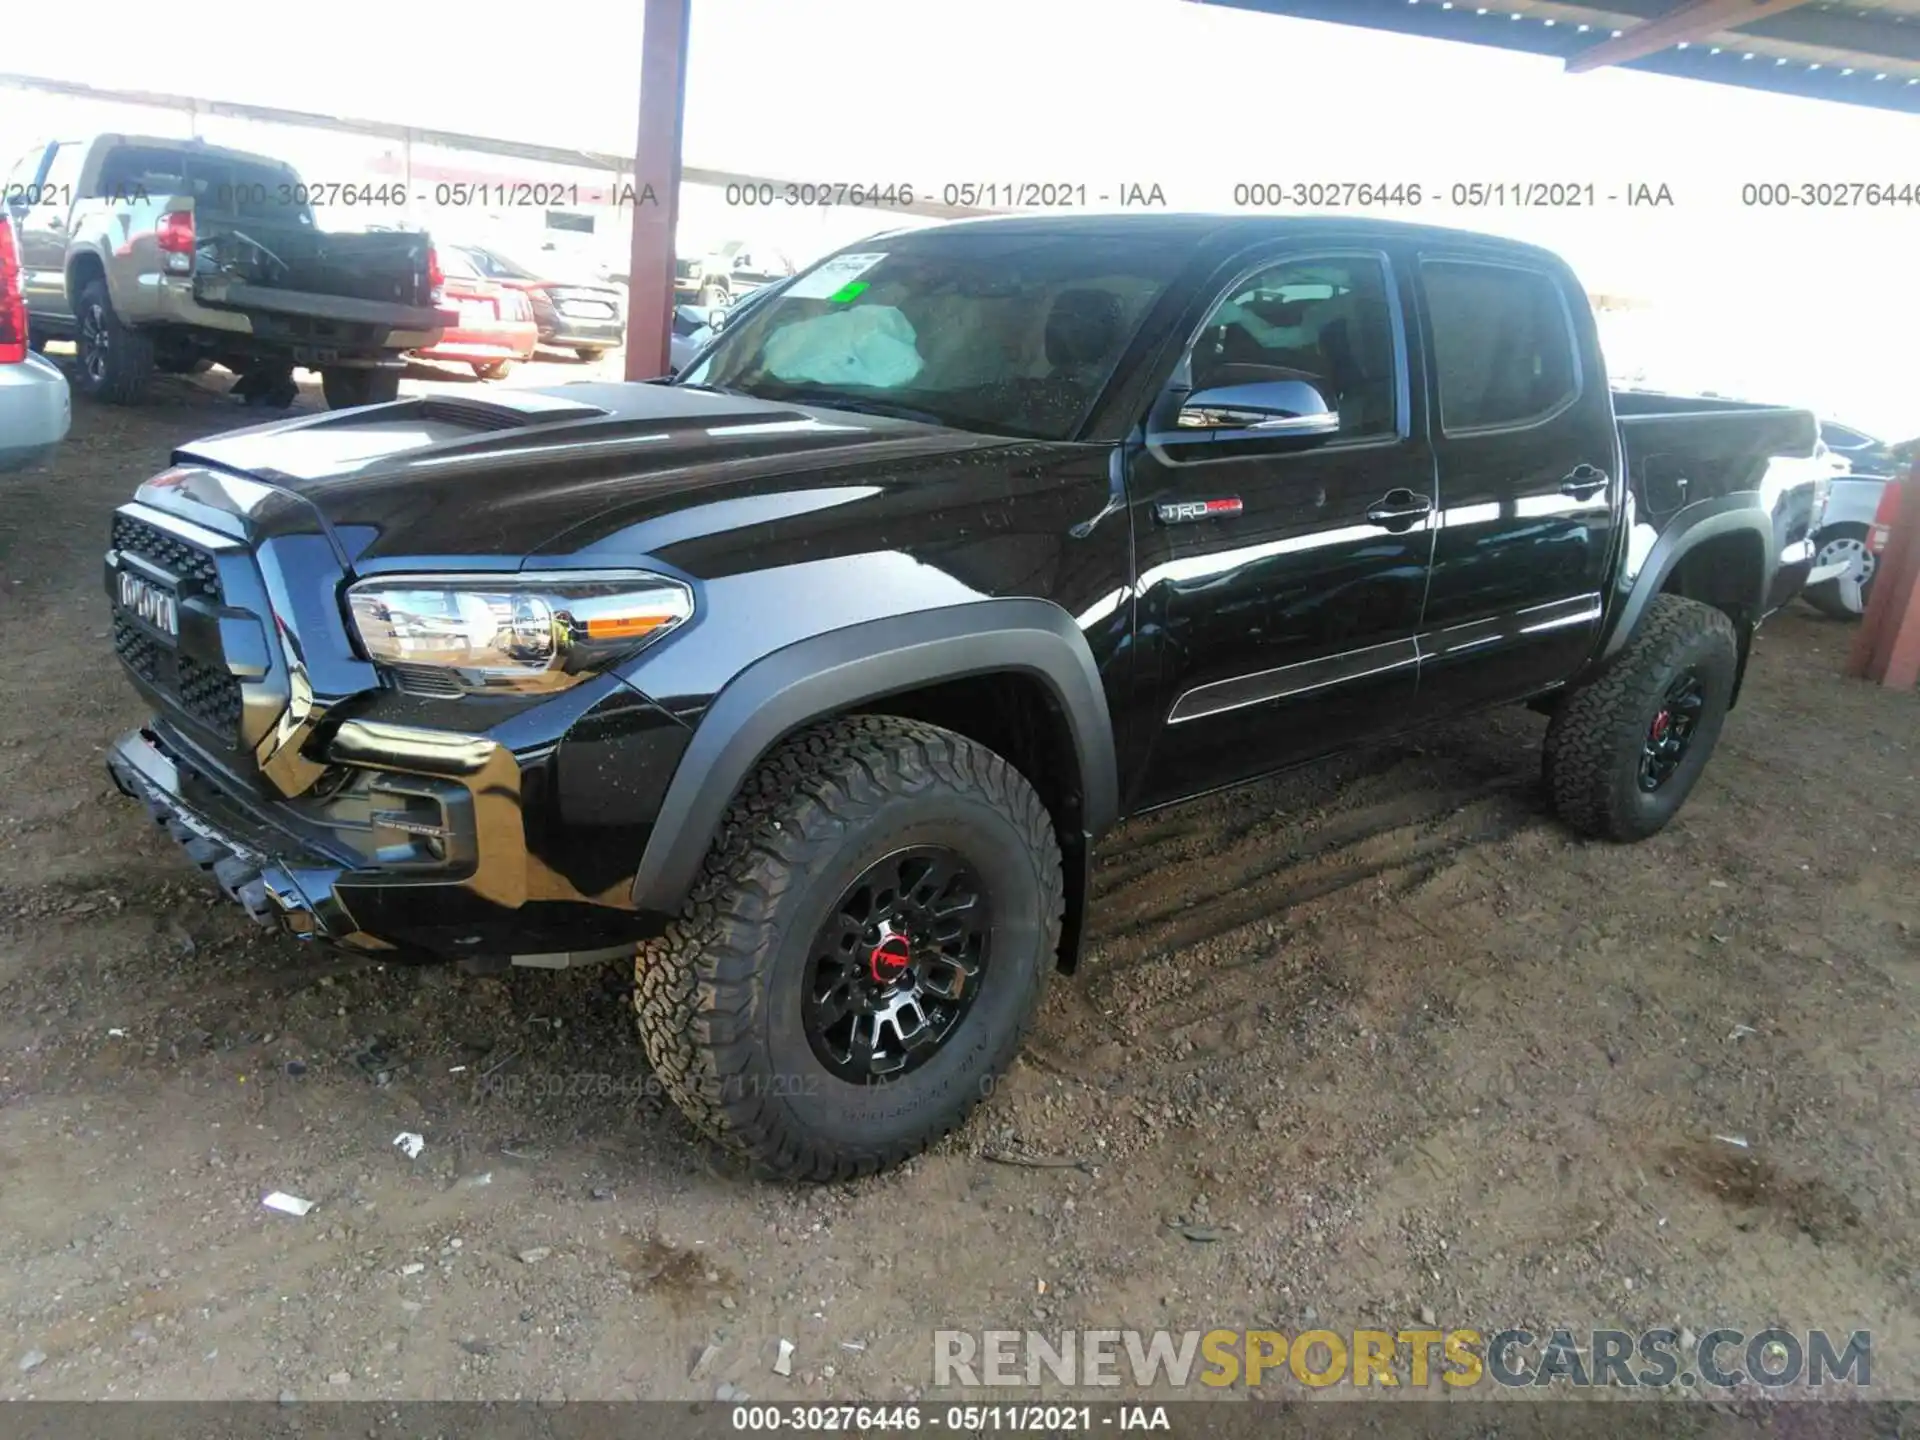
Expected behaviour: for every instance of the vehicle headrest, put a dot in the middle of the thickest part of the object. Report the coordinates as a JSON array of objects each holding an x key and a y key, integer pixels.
[{"x": 1082, "y": 326}]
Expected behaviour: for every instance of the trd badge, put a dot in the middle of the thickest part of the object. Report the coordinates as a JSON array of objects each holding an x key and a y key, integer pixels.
[{"x": 1179, "y": 512}]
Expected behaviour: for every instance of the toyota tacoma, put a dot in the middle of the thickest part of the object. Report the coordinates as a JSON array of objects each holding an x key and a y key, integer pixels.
[
  {"x": 171, "y": 255},
  {"x": 808, "y": 682}
]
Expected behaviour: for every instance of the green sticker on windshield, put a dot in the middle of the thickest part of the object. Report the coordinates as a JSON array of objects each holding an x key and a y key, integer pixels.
[{"x": 846, "y": 293}]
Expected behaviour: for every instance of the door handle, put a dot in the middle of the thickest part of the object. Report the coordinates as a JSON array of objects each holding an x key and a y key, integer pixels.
[
  {"x": 1584, "y": 481},
  {"x": 1399, "y": 508}
]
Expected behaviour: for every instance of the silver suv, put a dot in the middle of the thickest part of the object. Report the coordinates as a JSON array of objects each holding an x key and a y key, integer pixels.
[{"x": 35, "y": 409}]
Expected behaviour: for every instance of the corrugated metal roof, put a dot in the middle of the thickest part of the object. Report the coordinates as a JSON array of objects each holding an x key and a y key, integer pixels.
[{"x": 1861, "y": 52}]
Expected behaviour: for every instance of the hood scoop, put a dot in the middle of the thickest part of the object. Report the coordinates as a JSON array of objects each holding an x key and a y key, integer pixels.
[{"x": 508, "y": 412}]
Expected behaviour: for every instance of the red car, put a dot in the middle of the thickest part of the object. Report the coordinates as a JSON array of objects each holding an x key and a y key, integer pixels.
[{"x": 496, "y": 326}]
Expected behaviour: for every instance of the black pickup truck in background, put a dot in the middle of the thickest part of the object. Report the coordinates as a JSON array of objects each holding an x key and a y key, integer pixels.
[
  {"x": 809, "y": 681},
  {"x": 155, "y": 254}
]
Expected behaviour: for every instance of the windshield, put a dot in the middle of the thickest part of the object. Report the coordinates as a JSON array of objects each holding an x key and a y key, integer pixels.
[
  {"x": 502, "y": 268},
  {"x": 1009, "y": 333}
]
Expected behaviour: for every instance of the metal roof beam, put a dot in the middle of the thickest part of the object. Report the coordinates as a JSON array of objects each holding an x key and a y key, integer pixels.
[
  {"x": 1693, "y": 20},
  {"x": 442, "y": 139}
]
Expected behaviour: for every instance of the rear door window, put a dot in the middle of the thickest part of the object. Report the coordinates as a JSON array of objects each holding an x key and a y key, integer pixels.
[{"x": 1503, "y": 344}]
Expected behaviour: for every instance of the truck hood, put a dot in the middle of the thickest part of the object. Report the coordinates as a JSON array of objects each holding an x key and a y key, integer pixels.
[{"x": 490, "y": 482}]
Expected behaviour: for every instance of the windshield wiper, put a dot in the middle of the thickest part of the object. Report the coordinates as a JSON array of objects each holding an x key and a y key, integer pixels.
[{"x": 835, "y": 400}]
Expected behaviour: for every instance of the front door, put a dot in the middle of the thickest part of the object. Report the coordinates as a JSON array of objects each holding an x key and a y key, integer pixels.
[
  {"x": 43, "y": 232},
  {"x": 1282, "y": 498}
]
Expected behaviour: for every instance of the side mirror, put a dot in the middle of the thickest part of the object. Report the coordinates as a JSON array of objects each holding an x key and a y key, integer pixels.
[{"x": 1275, "y": 408}]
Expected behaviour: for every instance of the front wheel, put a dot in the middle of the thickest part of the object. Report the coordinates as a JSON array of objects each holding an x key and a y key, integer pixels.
[
  {"x": 1845, "y": 596},
  {"x": 345, "y": 388},
  {"x": 492, "y": 369},
  {"x": 863, "y": 953},
  {"x": 589, "y": 353},
  {"x": 1624, "y": 749}
]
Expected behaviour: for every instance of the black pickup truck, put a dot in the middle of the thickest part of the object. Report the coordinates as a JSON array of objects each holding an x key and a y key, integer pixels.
[{"x": 809, "y": 681}]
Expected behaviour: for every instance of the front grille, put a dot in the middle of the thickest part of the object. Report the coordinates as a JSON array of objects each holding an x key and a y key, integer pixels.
[
  {"x": 150, "y": 543},
  {"x": 211, "y": 696},
  {"x": 140, "y": 654}
]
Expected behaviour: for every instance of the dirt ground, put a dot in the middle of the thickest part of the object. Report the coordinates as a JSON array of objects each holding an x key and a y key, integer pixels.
[{"x": 1368, "y": 1041}]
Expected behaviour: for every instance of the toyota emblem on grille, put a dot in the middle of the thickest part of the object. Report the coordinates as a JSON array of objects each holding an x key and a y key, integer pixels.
[{"x": 142, "y": 598}]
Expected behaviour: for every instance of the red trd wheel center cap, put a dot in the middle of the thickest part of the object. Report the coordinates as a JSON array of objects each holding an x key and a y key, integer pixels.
[
  {"x": 1660, "y": 724},
  {"x": 890, "y": 959}
]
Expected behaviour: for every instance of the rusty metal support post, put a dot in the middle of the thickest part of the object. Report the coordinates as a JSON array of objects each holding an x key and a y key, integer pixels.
[
  {"x": 656, "y": 184},
  {"x": 1887, "y": 649}
]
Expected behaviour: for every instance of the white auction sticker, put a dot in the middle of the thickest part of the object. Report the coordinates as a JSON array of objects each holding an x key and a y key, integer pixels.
[{"x": 832, "y": 276}]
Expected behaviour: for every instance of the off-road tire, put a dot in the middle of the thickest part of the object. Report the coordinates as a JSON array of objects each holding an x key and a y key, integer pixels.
[
  {"x": 346, "y": 388},
  {"x": 719, "y": 994},
  {"x": 126, "y": 361},
  {"x": 1593, "y": 749}
]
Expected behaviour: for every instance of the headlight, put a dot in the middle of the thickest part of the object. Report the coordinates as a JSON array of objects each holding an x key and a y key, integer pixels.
[{"x": 513, "y": 633}]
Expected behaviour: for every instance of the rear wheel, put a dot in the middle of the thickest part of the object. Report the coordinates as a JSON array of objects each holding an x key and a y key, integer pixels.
[
  {"x": 1844, "y": 597},
  {"x": 346, "y": 388},
  {"x": 115, "y": 362},
  {"x": 492, "y": 369},
  {"x": 589, "y": 353},
  {"x": 863, "y": 953},
  {"x": 1624, "y": 749}
]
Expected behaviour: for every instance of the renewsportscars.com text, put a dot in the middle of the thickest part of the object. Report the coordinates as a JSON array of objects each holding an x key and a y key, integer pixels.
[{"x": 1719, "y": 1359}]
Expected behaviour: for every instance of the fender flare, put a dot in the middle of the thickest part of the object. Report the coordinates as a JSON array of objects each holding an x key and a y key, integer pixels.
[
  {"x": 835, "y": 671},
  {"x": 86, "y": 256},
  {"x": 1687, "y": 531}
]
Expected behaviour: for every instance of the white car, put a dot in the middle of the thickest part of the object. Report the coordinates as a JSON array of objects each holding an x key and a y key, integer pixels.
[
  {"x": 1843, "y": 567},
  {"x": 35, "y": 408}
]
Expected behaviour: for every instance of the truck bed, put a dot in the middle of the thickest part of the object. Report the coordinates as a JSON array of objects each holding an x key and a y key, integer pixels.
[
  {"x": 1682, "y": 450},
  {"x": 373, "y": 278}
]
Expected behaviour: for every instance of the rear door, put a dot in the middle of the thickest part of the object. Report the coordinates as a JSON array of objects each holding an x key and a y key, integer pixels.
[{"x": 1526, "y": 449}]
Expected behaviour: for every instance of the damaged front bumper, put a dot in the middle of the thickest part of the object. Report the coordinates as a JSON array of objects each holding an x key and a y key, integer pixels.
[
  {"x": 248, "y": 859},
  {"x": 427, "y": 858}
]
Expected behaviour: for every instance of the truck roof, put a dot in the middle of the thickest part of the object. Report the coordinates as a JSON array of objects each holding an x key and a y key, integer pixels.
[
  {"x": 1199, "y": 227},
  {"x": 193, "y": 146}
]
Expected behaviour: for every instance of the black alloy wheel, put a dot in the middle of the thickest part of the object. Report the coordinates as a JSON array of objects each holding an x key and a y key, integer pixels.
[
  {"x": 96, "y": 340},
  {"x": 896, "y": 965},
  {"x": 863, "y": 953},
  {"x": 1672, "y": 729}
]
